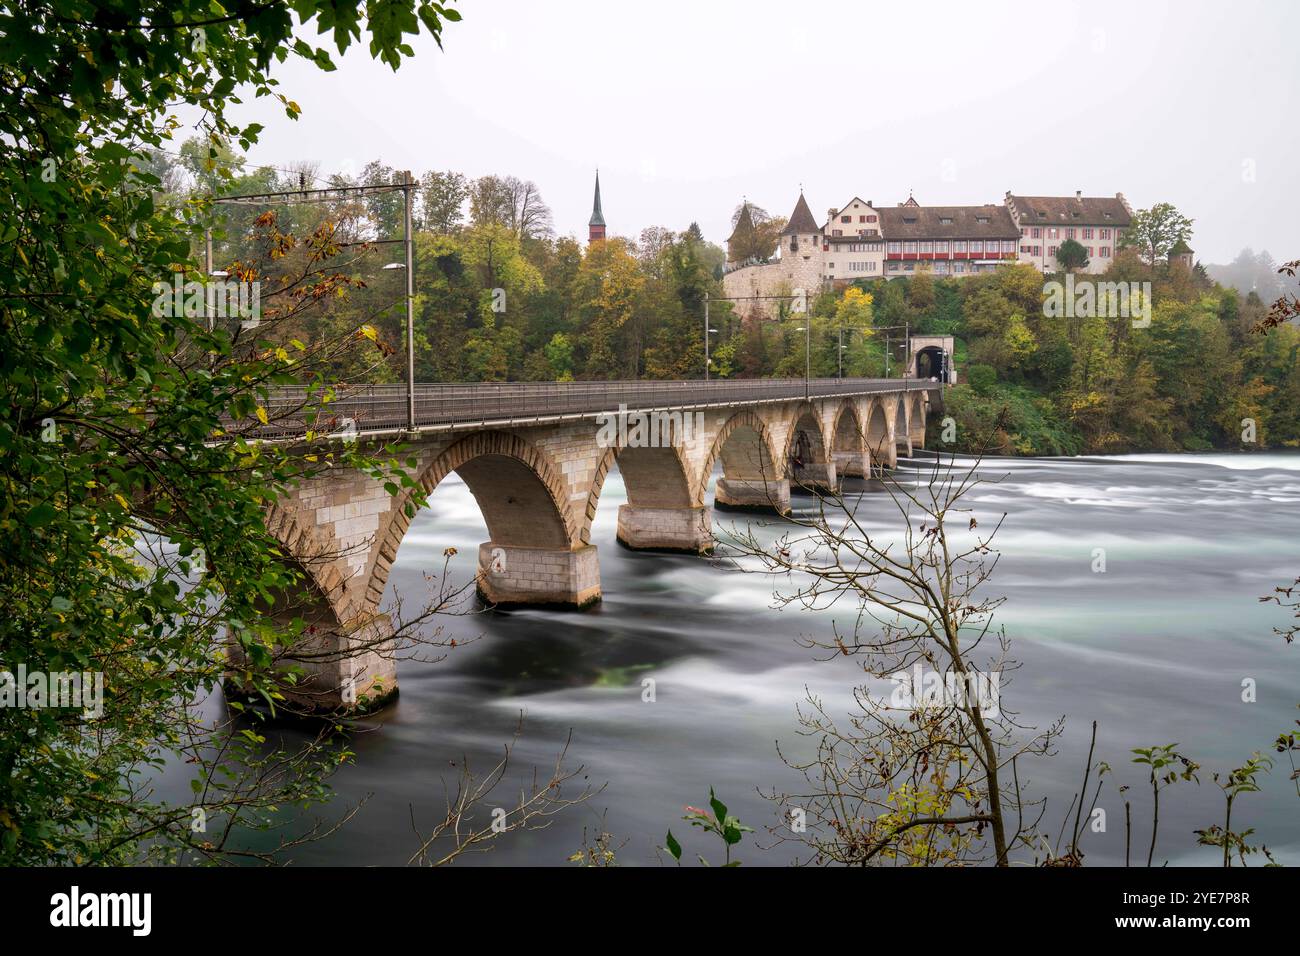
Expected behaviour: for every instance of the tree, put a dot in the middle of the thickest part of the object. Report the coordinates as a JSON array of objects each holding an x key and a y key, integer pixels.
[
  {"x": 755, "y": 234},
  {"x": 442, "y": 200},
  {"x": 511, "y": 202},
  {"x": 1071, "y": 255},
  {"x": 133, "y": 492},
  {"x": 1153, "y": 232},
  {"x": 386, "y": 209},
  {"x": 931, "y": 774}
]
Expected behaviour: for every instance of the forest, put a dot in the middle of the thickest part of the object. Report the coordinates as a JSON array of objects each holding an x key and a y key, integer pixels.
[{"x": 500, "y": 297}]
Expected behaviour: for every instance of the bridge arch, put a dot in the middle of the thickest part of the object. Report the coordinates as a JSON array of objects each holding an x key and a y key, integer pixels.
[
  {"x": 902, "y": 438},
  {"x": 664, "y": 509},
  {"x": 519, "y": 491},
  {"x": 879, "y": 446},
  {"x": 751, "y": 475},
  {"x": 849, "y": 441},
  {"x": 916, "y": 420},
  {"x": 344, "y": 649},
  {"x": 806, "y": 443}
]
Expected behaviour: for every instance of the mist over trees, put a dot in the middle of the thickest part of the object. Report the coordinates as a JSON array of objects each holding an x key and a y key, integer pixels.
[{"x": 1250, "y": 272}]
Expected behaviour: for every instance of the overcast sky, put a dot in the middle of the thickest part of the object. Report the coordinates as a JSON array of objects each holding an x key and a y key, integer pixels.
[{"x": 687, "y": 107}]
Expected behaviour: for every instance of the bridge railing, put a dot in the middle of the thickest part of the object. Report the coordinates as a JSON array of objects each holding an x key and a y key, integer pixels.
[{"x": 372, "y": 408}]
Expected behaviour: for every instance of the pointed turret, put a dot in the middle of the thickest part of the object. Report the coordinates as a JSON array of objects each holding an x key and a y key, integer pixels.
[
  {"x": 801, "y": 221},
  {"x": 596, "y": 225}
]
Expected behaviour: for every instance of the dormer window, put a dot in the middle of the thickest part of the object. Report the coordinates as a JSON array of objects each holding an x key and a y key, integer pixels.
[
  {"x": 982, "y": 219},
  {"x": 910, "y": 220},
  {"x": 945, "y": 220}
]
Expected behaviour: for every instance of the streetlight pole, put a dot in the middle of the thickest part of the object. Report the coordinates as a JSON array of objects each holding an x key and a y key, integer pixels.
[
  {"x": 408, "y": 194},
  {"x": 706, "y": 338},
  {"x": 806, "y": 329}
]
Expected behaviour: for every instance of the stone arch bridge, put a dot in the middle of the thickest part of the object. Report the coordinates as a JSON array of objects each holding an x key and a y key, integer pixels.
[{"x": 535, "y": 457}]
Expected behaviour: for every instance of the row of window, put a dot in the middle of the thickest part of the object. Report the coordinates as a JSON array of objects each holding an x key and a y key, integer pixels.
[
  {"x": 1102, "y": 253},
  {"x": 940, "y": 247},
  {"x": 860, "y": 219},
  {"x": 941, "y": 267},
  {"x": 1055, "y": 233}
]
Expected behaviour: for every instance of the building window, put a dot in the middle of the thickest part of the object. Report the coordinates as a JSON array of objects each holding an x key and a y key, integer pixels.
[
  {"x": 959, "y": 245},
  {"x": 871, "y": 219},
  {"x": 1051, "y": 250},
  {"x": 909, "y": 247},
  {"x": 1053, "y": 233},
  {"x": 959, "y": 267},
  {"x": 846, "y": 218},
  {"x": 1087, "y": 232},
  {"x": 1105, "y": 234},
  {"x": 977, "y": 247},
  {"x": 837, "y": 232},
  {"x": 1069, "y": 234},
  {"x": 1038, "y": 233},
  {"x": 1105, "y": 252},
  {"x": 941, "y": 247},
  {"x": 895, "y": 247},
  {"x": 927, "y": 248}
]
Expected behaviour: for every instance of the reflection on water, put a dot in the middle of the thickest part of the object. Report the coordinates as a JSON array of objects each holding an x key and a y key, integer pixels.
[{"x": 1155, "y": 650}]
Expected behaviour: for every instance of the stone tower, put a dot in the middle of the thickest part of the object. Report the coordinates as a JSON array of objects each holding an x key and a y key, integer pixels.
[
  {"x": 801, "y": 249},
  {"x": 596, "y": 225}
]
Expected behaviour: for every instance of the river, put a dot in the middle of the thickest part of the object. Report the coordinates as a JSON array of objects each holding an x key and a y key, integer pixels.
[{"x": 1155, "y": 649}]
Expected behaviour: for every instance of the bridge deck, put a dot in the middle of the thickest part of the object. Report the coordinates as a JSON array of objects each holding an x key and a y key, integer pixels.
[{"x": 378, "y": 409}]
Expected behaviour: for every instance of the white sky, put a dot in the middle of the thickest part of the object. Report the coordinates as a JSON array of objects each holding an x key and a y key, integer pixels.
[{"x": 687, "y": 106}]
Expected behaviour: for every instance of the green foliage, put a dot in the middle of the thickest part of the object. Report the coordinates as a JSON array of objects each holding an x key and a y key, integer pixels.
[
  {"x": 1007, "y": 419},
  {"x": 132, "y": 501},
  {"x": 726, "y": 827},
  {"x": 1071, "y": 255}
]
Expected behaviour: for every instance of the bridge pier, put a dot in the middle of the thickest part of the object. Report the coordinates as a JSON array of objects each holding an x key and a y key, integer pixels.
[
  {"x": 754, "y": 494},
  {"x": 816, "y": 476},
  {"x": 852, "y": 464},
  {"x": 666, "y": 529},
  {"x": 338, "y": 668},
  {"x": 511, "y": 576}
]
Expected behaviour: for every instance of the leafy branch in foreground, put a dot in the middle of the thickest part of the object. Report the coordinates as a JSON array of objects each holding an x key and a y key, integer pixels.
[
  {"x": 725, "y": 826},
  {"x": 126, "y": 427},
  {"x": 930, "y": 773}
]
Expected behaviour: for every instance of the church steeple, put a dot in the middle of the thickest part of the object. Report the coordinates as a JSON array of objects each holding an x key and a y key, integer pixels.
[{"x": 596, "y": 225}]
